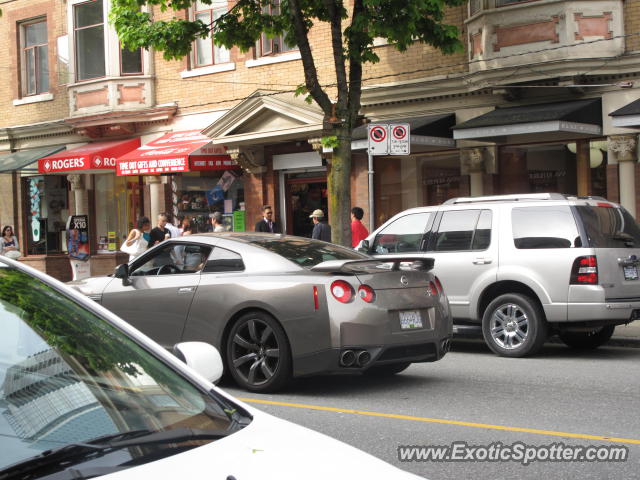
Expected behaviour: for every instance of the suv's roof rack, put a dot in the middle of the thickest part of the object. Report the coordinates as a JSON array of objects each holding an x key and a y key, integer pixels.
[{"x": 507, "y": 198}]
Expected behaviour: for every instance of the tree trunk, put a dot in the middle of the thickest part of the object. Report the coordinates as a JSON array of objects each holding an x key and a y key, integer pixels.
[{"x": 339, "y": 186}]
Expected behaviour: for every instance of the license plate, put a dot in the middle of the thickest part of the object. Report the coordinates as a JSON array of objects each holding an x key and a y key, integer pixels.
[
  {"x": 630, "y": 272},
  {"x": 410, "y": 319}
]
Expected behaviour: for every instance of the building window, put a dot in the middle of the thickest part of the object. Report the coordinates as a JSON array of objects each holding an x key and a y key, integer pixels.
[
  {"x": 35, "y": 58},
  {"x": 273, "y": 45},
  {"x": 205, "y": 52},
  {"x": 47, "y": 207},
  {"x": 131, "y": 61},
  {"x": 88, "y": 25}
]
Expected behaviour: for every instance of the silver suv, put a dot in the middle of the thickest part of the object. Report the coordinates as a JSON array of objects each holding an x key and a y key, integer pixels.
[{"x": 522, "y": 267}]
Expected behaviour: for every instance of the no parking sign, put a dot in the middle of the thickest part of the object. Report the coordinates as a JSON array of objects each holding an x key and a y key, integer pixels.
[
  {"x": 378, "y": 135},
  {"x": 399, "y": 139},
  {"x": 384, "y": 139}
]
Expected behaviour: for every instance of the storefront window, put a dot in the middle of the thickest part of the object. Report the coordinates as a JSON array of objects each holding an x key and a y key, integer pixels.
[
  {"x": 115, "y": 198},
  {"x": 47, "y": 211},
  {"x": 196, "y": 195},
  {"x": 407, "y": 182},
  {"x": 551, "y": 168}
]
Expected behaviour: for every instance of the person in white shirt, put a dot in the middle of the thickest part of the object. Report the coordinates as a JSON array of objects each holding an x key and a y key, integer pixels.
[
  {"x": 216, "y": 221},
  {"x": 173, "y": 230}
]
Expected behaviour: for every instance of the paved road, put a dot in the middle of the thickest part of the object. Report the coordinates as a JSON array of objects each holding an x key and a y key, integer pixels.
[{"x": 559, "y": 397}]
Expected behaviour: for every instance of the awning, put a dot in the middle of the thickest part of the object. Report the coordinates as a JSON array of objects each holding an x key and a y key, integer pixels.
[
  {"x": 90, "y": 157},
  {"x": 176, "y": 152},
  {"x": 19, "y": 160},
  {"x": 428, "y": 131},
  {"x": 627, "y": 116},
  {"x": 562, "y": 120}
]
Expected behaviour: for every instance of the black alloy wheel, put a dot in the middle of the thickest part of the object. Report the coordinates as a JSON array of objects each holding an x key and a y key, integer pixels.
[
  {"x": 258, "y": 353},
  {"x": 587, "y": 340}
]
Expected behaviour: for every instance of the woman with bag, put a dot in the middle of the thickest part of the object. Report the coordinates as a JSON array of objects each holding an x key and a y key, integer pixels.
[
  {"x": 138, "y": 239},
  {"x": 9, "y": 243}
]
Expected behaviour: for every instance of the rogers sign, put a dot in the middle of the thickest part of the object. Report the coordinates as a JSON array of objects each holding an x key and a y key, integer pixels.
[{"x": 46, "y": 165}]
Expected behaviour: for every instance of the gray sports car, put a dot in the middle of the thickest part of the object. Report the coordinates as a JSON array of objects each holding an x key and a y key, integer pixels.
[{"x": 278, "y": 306}]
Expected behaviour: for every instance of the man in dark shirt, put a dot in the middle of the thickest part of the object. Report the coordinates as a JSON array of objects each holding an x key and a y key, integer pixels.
[
  {"x": 160, "y": 232},
  {"x": 321, "y": 230},
  {"x": 267, "y": 224}
]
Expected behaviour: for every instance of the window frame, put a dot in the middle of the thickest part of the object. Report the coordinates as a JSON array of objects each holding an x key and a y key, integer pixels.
[
  {"x": 24, "y": 69},
  {"x": 272, "y": 9},
  {"x": 75, "y": 40},
  {"x": 426, "y": 232},
  {"x": 213, "y": 13},
  {"x": 129, "y": 74},
  {"x": 479, "y": 217}
]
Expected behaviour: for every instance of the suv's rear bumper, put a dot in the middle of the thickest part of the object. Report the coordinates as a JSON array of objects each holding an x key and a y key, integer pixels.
[{"x": 618, "y": 312}]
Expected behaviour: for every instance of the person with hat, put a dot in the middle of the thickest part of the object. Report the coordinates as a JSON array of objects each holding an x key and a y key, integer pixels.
[{"x": 321, "y": 230}]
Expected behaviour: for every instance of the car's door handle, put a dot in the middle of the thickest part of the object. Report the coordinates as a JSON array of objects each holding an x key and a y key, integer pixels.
[
  {"x": 186, "y": 289},
  {"x": 482, "y": 261}
]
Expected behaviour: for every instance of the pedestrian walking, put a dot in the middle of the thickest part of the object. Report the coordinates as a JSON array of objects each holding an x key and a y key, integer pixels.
[
  {"x": 321, "y": 230},
  {"x": 216, "y": 222},
  {"x": 267, "y": 224},
  {"x": 159, "y": 233},
  {"x": 358, "y": 231},
  {"x": 9, "y": 243},
  {"x": 138, "y": 239}
]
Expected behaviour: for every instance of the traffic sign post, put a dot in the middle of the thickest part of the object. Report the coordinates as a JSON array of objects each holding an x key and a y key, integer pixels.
[
  {"x": 399, "y": 135},
  {"x": 378, "y": 136}
]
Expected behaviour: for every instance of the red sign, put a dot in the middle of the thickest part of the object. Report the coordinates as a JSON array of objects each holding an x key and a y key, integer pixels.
[
  {"x": 175, "y": 152},
  {"x": 93, "y": 156}
]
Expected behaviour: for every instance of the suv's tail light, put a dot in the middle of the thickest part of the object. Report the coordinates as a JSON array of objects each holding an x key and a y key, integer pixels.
[
  {"x": 366, "y": 293},
  {"x": 342, "y": 291},
  {"x": 585, "y": 271}
]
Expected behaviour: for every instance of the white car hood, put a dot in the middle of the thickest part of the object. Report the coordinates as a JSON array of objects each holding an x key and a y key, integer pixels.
[{"x": 268, "y": 448}]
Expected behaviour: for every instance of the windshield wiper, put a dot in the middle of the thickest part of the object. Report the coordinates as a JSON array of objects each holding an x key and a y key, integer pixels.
[{"x": 74, "y": 452}]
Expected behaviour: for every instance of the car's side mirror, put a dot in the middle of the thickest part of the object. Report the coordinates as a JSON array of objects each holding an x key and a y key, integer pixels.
[
  {"x": 203, "y": 357},
  {"x": 122, "y": 271},
  {"x": 363, "y": 246}
]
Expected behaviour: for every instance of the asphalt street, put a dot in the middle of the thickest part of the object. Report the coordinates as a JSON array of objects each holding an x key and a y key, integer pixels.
[{"x": 559, "y": 397}]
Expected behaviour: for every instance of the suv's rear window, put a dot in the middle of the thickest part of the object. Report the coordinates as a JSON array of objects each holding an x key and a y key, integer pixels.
[
  {"x": 550, "y": 226},
  {"x": 608, "y": 227}
]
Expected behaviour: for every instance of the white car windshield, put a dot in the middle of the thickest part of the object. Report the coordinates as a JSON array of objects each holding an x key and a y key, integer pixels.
[{"x": 67, "y": 376}]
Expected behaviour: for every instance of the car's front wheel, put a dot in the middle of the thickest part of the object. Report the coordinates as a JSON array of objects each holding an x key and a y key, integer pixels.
[
  {"x": 513, "y": 325},
  {"x": 258, "y": 355},
  {"x": 587, "y": 340}
]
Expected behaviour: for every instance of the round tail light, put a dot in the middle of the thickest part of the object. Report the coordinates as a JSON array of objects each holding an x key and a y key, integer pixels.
[
  {"x": 366, "y": 293},
  {"x": 342, "y": 291},
  {"x": 433, "y": 290},
  {"x": 439, "y": 285}
]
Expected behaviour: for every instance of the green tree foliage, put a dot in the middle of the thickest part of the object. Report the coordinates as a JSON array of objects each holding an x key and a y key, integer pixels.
[{"x": 353, "y": 25}]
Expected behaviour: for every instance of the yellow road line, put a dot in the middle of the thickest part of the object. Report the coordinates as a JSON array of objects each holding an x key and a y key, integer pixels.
[{"x": 603, "y": 438}]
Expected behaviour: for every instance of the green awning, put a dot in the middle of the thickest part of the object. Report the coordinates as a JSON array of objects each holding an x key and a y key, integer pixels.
[{"x": 19, "y": 160}]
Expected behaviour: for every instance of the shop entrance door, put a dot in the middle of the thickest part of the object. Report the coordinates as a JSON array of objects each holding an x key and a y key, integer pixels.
[{"x": 305, "y": 192}]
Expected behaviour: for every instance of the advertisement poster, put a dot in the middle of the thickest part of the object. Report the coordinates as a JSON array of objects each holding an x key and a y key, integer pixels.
[{"x": 78, "y": 237}]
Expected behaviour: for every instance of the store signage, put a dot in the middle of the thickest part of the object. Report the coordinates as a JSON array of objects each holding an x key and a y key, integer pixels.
[
  {"x": 175, "y": 152},
  {"x": 399, "y": 139},
  {"x": 99, "y": 156}
]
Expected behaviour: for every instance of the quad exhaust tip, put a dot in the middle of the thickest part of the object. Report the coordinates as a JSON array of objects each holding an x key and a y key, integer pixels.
[
  {"x": 347, "y": 358},
  {"x": 354, "y": 358}
]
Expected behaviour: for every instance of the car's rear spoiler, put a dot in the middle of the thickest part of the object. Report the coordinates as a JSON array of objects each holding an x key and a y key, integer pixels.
[{"x": 375, "y": 265}]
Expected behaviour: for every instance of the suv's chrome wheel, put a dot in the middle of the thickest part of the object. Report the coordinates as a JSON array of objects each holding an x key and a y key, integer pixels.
[
  {"x": 509, "y": 326},
  {"x": 513, "y": 325}
]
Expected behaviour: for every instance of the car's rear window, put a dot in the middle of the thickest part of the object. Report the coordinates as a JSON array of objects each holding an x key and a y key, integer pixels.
[
  {"x": 308, "y": 253},
  {"x": 608, "y": 227},
  {"x": 551, "y": 226}
]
